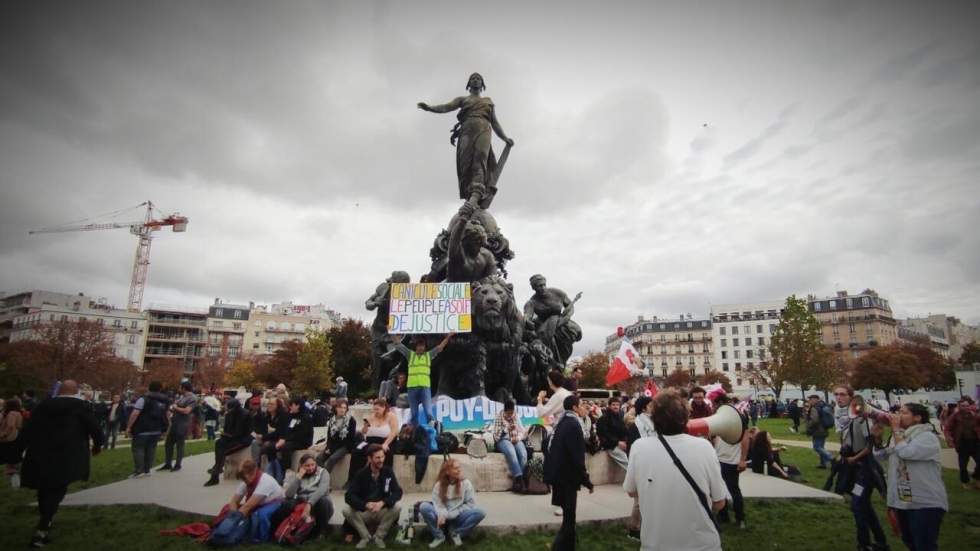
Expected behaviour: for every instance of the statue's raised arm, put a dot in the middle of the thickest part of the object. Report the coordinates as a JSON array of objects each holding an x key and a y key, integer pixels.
[{"x": 477, "y": 168}]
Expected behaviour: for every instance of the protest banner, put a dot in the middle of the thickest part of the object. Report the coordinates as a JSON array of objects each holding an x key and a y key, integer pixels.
[
  {"x": 470, "y": 414},
  {"x": 429, "y": 308}
]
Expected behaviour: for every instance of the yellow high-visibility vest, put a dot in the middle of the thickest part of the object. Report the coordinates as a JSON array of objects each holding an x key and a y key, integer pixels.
[{"x": 419, "y": 367}]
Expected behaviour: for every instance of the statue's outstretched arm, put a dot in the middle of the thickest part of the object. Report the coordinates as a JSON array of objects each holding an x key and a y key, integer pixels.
[
  {"x": 497, "y": 129},
  {"x": 444, "y": 108}
]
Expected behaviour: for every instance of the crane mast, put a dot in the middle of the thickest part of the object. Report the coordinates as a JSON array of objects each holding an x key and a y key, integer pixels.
[{"x": 142, "y": 229}]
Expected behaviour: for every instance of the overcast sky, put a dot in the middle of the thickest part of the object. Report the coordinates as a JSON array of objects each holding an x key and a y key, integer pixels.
[{"x": 667, "y": 157}]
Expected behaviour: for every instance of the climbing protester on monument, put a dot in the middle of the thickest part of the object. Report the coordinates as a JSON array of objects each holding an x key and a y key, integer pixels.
[
  {"x": 235, "y": 435},
  {"x": 667, "y": 498},
  {"x": 613, "y": 433},
  {"x": 419, "y": 382},
  {"x": 180, "y": 424},
  {"x": 915, "y": 476},
  {"x": 149, "y": 419},
  {"x": 565, "y": 470},
  {"x": 453, "y": 509},
  {"x": 58, "y": 438},
  {"x": 372, "y": 498}
]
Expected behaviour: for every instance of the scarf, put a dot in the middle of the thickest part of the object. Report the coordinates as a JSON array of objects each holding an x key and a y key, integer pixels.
[
  {"x": 644, "y": 424},
  {"x": 339, "y": 426}
]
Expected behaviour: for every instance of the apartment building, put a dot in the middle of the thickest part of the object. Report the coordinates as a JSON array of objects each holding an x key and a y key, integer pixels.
[
  {"x": 923, "y": 331},
  {"x": 179, "y": 333},
  {"x": 742, "y": 334},
  {"x": 854, "y": 324},
  {"x": 227, "y": 324},
  {"x": 270, "y": 326},
  {"x": 24, "y": 313}
]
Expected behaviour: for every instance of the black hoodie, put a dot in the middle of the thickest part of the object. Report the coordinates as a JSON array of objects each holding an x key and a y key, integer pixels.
[{"x": 57, "y": 440}]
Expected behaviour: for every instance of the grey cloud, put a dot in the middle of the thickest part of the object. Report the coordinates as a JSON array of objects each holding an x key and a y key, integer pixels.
[
  {"x": 898, "y": 66},
  {"x": 752, "y": 147}
]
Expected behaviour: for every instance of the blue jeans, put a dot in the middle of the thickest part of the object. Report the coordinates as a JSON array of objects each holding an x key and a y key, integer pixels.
[
  {"x": 515, "y": 454},
  {"x": 144, "y": 452},
  {"x": 420, "y": 395},
  {"x": 818, "y": 446},
  {"x": 920, "y": 528},
  {"x": 461, "y": 525}
]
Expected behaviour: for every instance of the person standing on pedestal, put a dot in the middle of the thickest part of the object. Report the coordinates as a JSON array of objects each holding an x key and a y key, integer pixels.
[{"x": 419, "y": 371}]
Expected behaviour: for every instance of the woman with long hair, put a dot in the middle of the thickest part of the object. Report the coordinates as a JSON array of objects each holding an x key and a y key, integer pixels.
[
  {"x": 453, "y": 508},
  {"x": 342, "y": 436},
  {"x": 275, "y": 424},
  {"x": 381, "y": 428},
  {"x": 761, "y": 453},
  {"x": 11, "y": 452}
]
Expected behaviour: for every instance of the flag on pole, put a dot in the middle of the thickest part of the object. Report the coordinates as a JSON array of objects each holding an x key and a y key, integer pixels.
[
  {"x": 625, "y": 364},
  {"x": 651, "y": 389}
]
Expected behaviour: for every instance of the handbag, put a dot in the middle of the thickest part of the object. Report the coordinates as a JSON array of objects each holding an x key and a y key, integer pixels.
[{"x": 687, "y": 476}]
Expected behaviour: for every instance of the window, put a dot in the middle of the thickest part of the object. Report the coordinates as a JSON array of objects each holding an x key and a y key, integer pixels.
[
  {"x": 816, "y": 306},
  {"x": 51, "y": 317},
  {"x": 758, "y": 328},
  {"x": 849, "y": 303},
  {"x": 738, "y": 366},
  {"x": 219, "y": 312},
  {"x": 236, "y": 325},
  {"x": 748, "y": 353},
  {"x": 737, "y": 354},
  {"x": 734, "y": 342},
  {"x": 724, "y": 342},
  {"x": 751, "y": 365},
  {"x": 762, "y": 354},
  {"x": 721, "y": 330},
  {"x": 748, "y": 330},
  {"x": 664, "y": 371},
  {"x": 133, "y": 324},
  {"x": 690, "y": 325},
  {"x": 238, "y": 314},
  {"x": 100, "y": 321},
  {"x": 734, "y": 330},
  {"x": 255, "y": 346},
  {"x": 833, "y": 304},
  {"x": 865, "y": 302},
  {"x": 738, "y": 381},
  {"x": 724, "y": 354},
  {"x": 132, "y": 339},
  {"x": 724, "y": 366},
  {"x": 850, "y": 327},
  {"x": 772, "y": 328},
  {"x": 762, "y": 341},
  {"x": 256, "y": 333}
]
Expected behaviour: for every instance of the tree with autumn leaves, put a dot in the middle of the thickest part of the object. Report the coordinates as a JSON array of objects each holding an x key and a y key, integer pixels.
[
  {"x": 796, "y": 353},
  {"x": 902, "y": 367}
]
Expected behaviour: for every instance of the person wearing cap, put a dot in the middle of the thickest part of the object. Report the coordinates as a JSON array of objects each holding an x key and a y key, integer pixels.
[
  {"x": 340, "y": 391},
  {"x": 180, "y": 423},
  {"x": 419, "y": 368}
]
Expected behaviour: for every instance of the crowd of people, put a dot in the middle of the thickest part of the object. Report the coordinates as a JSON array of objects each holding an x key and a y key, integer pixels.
[{"x": 644, "y": 436}]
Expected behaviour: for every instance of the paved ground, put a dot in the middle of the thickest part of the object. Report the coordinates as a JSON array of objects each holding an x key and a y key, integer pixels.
[
  {"x": 946, "y": 455},
  {"x": 184, "y": 491}
]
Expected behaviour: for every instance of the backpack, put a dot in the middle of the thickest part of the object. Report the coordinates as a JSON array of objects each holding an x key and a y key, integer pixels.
[
  {"x": 405, "y": 443},
  {"x": 296, "y": 528},
  {"x": 446, "y": 443},
  {"x": 232, "y": 530},
  {"x": 826, "y": 417}
]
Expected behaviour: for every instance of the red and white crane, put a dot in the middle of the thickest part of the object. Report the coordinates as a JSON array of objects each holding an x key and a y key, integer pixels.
[{"x": 144, "y": 230}]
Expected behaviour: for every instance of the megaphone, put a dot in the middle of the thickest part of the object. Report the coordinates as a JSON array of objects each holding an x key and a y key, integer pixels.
[{"x": 727, "y": 423}]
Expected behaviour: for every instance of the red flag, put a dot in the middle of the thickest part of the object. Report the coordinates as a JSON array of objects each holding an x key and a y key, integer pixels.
[
  {"x": 651, "y": 389},
  {"x": 625, "y": 365}
]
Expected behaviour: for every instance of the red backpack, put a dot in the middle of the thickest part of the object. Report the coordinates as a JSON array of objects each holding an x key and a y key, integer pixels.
[{"x": 296, "y": 528}]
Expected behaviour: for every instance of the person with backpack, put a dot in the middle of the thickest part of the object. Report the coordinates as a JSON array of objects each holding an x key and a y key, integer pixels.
[
  {"x": 257, "y": 498},
  {"x": 861, "y": 471},
  {"x": 147, "y": 422},
  {"x": 819, "y": 420},
  {"x": 311, "y": 490},
  {"x": 963, "y": 427}
]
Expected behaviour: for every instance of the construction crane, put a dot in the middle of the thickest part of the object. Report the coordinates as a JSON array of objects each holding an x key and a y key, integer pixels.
[{"x": 143, "y": 229}]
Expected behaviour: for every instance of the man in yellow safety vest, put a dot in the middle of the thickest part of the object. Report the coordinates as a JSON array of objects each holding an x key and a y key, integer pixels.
[{"x": 419, "y": 382}]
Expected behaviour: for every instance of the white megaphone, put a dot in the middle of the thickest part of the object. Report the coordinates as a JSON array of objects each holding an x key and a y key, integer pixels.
[{"x": 727, "y": 423}]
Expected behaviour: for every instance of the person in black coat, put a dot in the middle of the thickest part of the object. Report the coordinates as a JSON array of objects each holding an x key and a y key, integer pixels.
[
  {"x": 237, "y": 434},
  {"x": 298, "y": 435},
  {"x": 57, "y": 440},
  {"x": 564, "y": 470},
  {"x": 612, "y": 432}
]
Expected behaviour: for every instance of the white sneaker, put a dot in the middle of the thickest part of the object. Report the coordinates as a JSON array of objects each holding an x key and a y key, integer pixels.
[
  {"x": 363, "y": 543},
  {"x": 439, "y": 540},
  {"x": 457, "y": 541},
  {"x": 558, "y": 512}
]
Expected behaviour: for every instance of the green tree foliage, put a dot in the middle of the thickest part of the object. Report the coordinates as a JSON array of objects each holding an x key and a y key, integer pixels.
[
  {"x": 242, "y": 374},
  {"x": 888, "y": 368},
  {"x": 352, "y": 356},
  {"x": 279, "y": 367},
  {"x": 594, "y": 366},
  {"x": 312, "y": 374},
  {"x": 796, "y": 352}
]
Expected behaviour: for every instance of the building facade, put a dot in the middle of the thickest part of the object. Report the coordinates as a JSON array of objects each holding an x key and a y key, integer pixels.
[
  {"x": 669, "y": 344},
  {"x": 178, "y": 333},
  {"x": 742, "y": 334},
  {"x": 270, "y": 326},
  {"x": 26, "y": 312},
  {"x": 854, "y": 324},
  {"x": 923, "y": 331},
  {"x": 227, "y": 324}
]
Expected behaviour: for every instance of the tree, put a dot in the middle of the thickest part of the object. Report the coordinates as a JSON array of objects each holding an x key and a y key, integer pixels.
[
  {"x": 937, "y": 372},
  {"x": 594, "y": 366},
  {"x": 678, "y": 378},
  {"x": 715, "y": 376},
  {"x": 352, "y": 356},
  {"x": 21, "y": 367},
  {"x": 312, "y": 373},
  {"x": 970, "y": 355},
  {"x": 167, "y": 371},
  {"x": 210, "y": 374},
  {"x": 795, "y": 349},
  {"x": 242, "y": 374},
  {"x": 888, "y": 368},
  {"x": 279, "y": 367},
  {"x": 115, "y": 375}
]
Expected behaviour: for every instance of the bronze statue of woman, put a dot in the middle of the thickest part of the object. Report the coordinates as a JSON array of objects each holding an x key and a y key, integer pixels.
[{"x": 476, "y": 166}]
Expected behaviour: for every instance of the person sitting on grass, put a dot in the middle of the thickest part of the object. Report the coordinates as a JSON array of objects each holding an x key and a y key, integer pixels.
[
  {"x": 453, "y": 507},
  {"x": 762, "y": 454},
  {"x": 262, "y": 497},
  {"x": 311, "y": 486}
]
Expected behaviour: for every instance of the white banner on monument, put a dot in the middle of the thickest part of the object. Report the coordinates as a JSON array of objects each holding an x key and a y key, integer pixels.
[{"x": 424, "y": 308}]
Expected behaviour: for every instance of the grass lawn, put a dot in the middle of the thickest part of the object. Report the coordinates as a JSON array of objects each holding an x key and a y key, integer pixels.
[{"x": 797, "y": 525}]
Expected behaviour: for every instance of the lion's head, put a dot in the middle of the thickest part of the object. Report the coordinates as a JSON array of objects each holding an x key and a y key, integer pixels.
[{"x": 493, "y": 309}]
